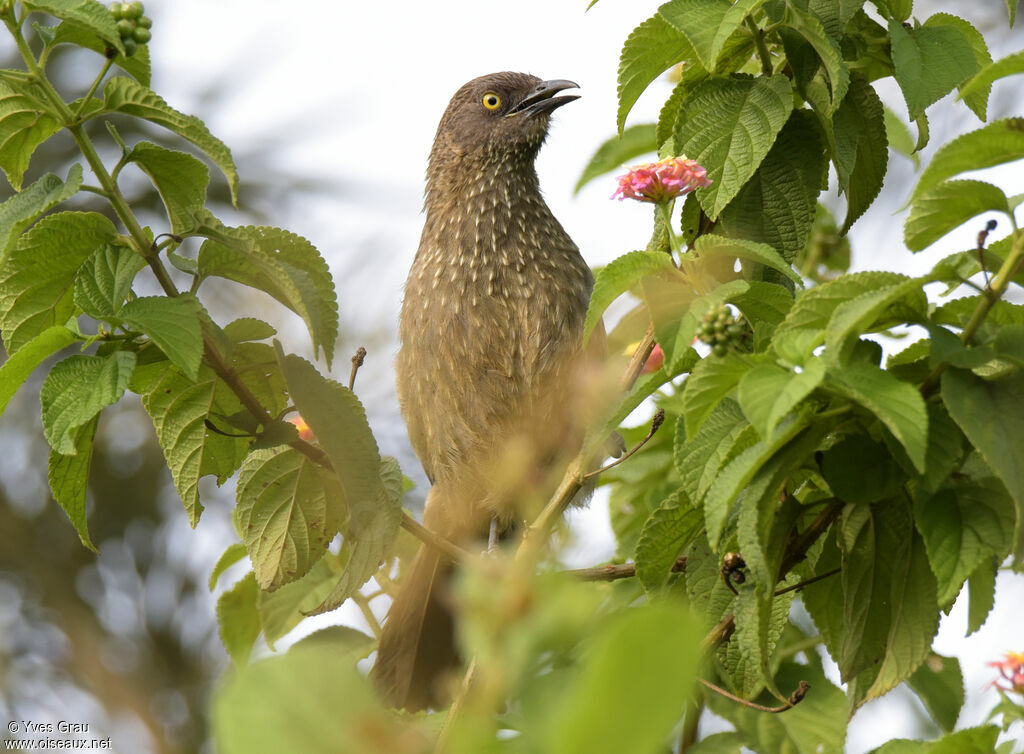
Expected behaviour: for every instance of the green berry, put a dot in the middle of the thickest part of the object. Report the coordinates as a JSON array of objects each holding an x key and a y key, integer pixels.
[
  {"x": 133, "y": 10},
  {"x": 130, "y": 46},
  {"x": 719, "y": 349},
  {"x": 145, "y": 22},
  {"x": 125, "y": 28},
  {"x": 117, "y": 10},
  {"x": 142, "y": 35},
  {"x": 735, "y": 330}
]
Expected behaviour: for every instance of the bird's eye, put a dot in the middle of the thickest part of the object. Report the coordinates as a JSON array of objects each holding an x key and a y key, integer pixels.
[{"x": 492, "y": 101}]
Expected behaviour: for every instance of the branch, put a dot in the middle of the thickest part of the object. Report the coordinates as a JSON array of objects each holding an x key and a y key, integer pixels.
[
  {"x": 439, "y": 543},
  {"x": 618, "y": 571},
  {"x": 656, "y": 423},
  {"x": 794, "y": 699}
]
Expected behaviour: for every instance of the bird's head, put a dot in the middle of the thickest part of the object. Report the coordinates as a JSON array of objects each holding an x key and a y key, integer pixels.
[{"x": 499, "y": 116}]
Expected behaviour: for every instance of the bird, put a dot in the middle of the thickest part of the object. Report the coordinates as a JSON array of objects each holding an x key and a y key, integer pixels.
[{"x": 491, "y": 365}]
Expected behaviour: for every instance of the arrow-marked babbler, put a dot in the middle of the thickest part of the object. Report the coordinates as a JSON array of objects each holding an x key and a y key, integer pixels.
[{"x": 489, "y": 367}]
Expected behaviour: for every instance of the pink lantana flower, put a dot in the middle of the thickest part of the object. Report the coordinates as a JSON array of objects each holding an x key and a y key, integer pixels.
[
  {"x": 1011, "y": 668},
  {"x": 661, "y": 181}
]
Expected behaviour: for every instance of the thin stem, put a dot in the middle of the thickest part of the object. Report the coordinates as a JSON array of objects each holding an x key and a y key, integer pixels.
[
  {"x": 439, "y": 543},
  {"x": 656, "y": 423},
  {"x": 455, "y": 710},
  {"x": 808, "y": 582},
  {"x": 794, "y": 699},
  {"x": 363, "y": 602},
  {"x": 618, "y": 571},
  {"x": 357, "y": 361},
  {"x": 638, "y": 360},
  {"x": 762, "y": 49},
  {"x": 92, "y": 89}
]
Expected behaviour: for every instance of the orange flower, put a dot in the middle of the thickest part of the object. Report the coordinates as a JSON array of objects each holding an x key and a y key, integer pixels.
[
  {"x": 1011, "y": 668},
  {"x": 305, "y": 432}
]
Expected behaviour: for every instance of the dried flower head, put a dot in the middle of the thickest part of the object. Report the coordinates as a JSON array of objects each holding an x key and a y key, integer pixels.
[
  {"x": 1011, "y": 668},
  {"x": 661, "y": 181}
]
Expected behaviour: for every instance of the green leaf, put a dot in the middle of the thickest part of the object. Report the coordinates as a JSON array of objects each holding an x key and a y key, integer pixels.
[
  {"x": 945, "y": 448},
  {"x": 651, "y": 48},
  {"x": 930, "y": 62},
  {"x": 288, "y": 510},
  {"x": 977, "y": 99},
  {"x": 730, "y": 482},
  {"x": 124, "y": 95},
  {"x": 180, "y": 179},
  {"x": 338, "y": 420},
  {"x": 891, "y": 611},
  {"x": 285, "y": 607},
  {"x": 630, "y": 144},
  {"x": 25, "y": 123},
  {"x": 759, "y": 625},
  {"x": 711, "y": 380},
  {"x": 835, "y": 15},
  {"x": 777, "y": 205},
  {"x": 311, "y": 699},
  {"x": 16, "y": 369},
  {"x": 90, "y": 14},
  {"x": 247, "y": 329},
  {"x": 174, "y": 324},
  {"x": 722, "y": 436},
  {"x": 962, "y": 525},
  {"x": 939, "y": 684},
  {"x": 803, "y": 330},
  {"x": 812, "y": 30},
  {"x": 707, "y": 24},
  {"x": 872, "y": 311},
  {"x": 238, "y": 619},
  {"x": 947, "y": 206},
  {"x": 898, "y": 405},
  {"x": 37, "y": 278},
  {"x": 1011, "y": 65},
  {"x": 137, "y": 65},
  {"x": 981, "y": 587},
  {"x": 24, "y": 208},
  {"x": 619, "y": 276},
  {"x": 179, "y": 408},
  {"x": 362, "y": 552},
  {"x": 728, "y": 126},
  {"x": 997, "y": 143},
  {"x": 641, "y": 667},
  {"x": 989, "y": 412},
  {"x": 859, "y": 148},
  {"x": 860, "y": 470},
  {"x": 68, "y": 476},
  {"x": 711, "y": 246},
  {"x": 768, "y": 393},
  {"x": 286, "y": 266},
  {"x": 666, "y": 532},
  {"x": 77, "y": 389},
  {"x": 898, "y": 135},
  {"x": 971, "y": 741},
  {"x": 233, "y": 554},
  {"x": 104, "y": 281}
]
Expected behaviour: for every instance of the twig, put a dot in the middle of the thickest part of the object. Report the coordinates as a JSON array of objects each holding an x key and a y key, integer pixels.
[
  {"x": 363, "y": 602},
  {"x": 808, "y": 582},
  {"x": 637, "y": 360},
  {"x": 439, "y": 543},
  {"x": 357, "y": 361},
  {"x": 618, "y": 571},
  {"x": 794, "y": 699},
  {"x": 456, "y": 709},
  {"x": 656, "y": 423},
  {"x": 982, "y": 237}
]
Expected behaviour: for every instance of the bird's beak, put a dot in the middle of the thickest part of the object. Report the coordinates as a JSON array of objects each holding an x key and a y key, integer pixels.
[{"x": 543, "y": 100}]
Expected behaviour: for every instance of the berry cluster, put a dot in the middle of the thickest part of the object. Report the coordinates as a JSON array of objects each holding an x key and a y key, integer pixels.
[
  {"x": 133, "y": 27},
  {"x": 719, "y": 329}
]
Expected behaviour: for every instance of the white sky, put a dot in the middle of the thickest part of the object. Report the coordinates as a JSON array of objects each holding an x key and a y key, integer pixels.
[{"x": 360, "y": 87}]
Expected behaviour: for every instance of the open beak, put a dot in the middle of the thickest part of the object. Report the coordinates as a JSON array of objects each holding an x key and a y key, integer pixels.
[{"x": 543, "y": 100}]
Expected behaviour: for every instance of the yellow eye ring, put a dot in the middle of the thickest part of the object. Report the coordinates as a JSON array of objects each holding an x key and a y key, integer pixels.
[{"x": 491, "y": 101}]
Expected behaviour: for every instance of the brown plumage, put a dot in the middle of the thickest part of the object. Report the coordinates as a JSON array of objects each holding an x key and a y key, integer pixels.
[{"x": 488, "y": 371}]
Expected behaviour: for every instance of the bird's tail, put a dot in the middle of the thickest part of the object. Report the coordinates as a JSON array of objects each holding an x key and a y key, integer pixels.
[{"x": 417, "y": 645}]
